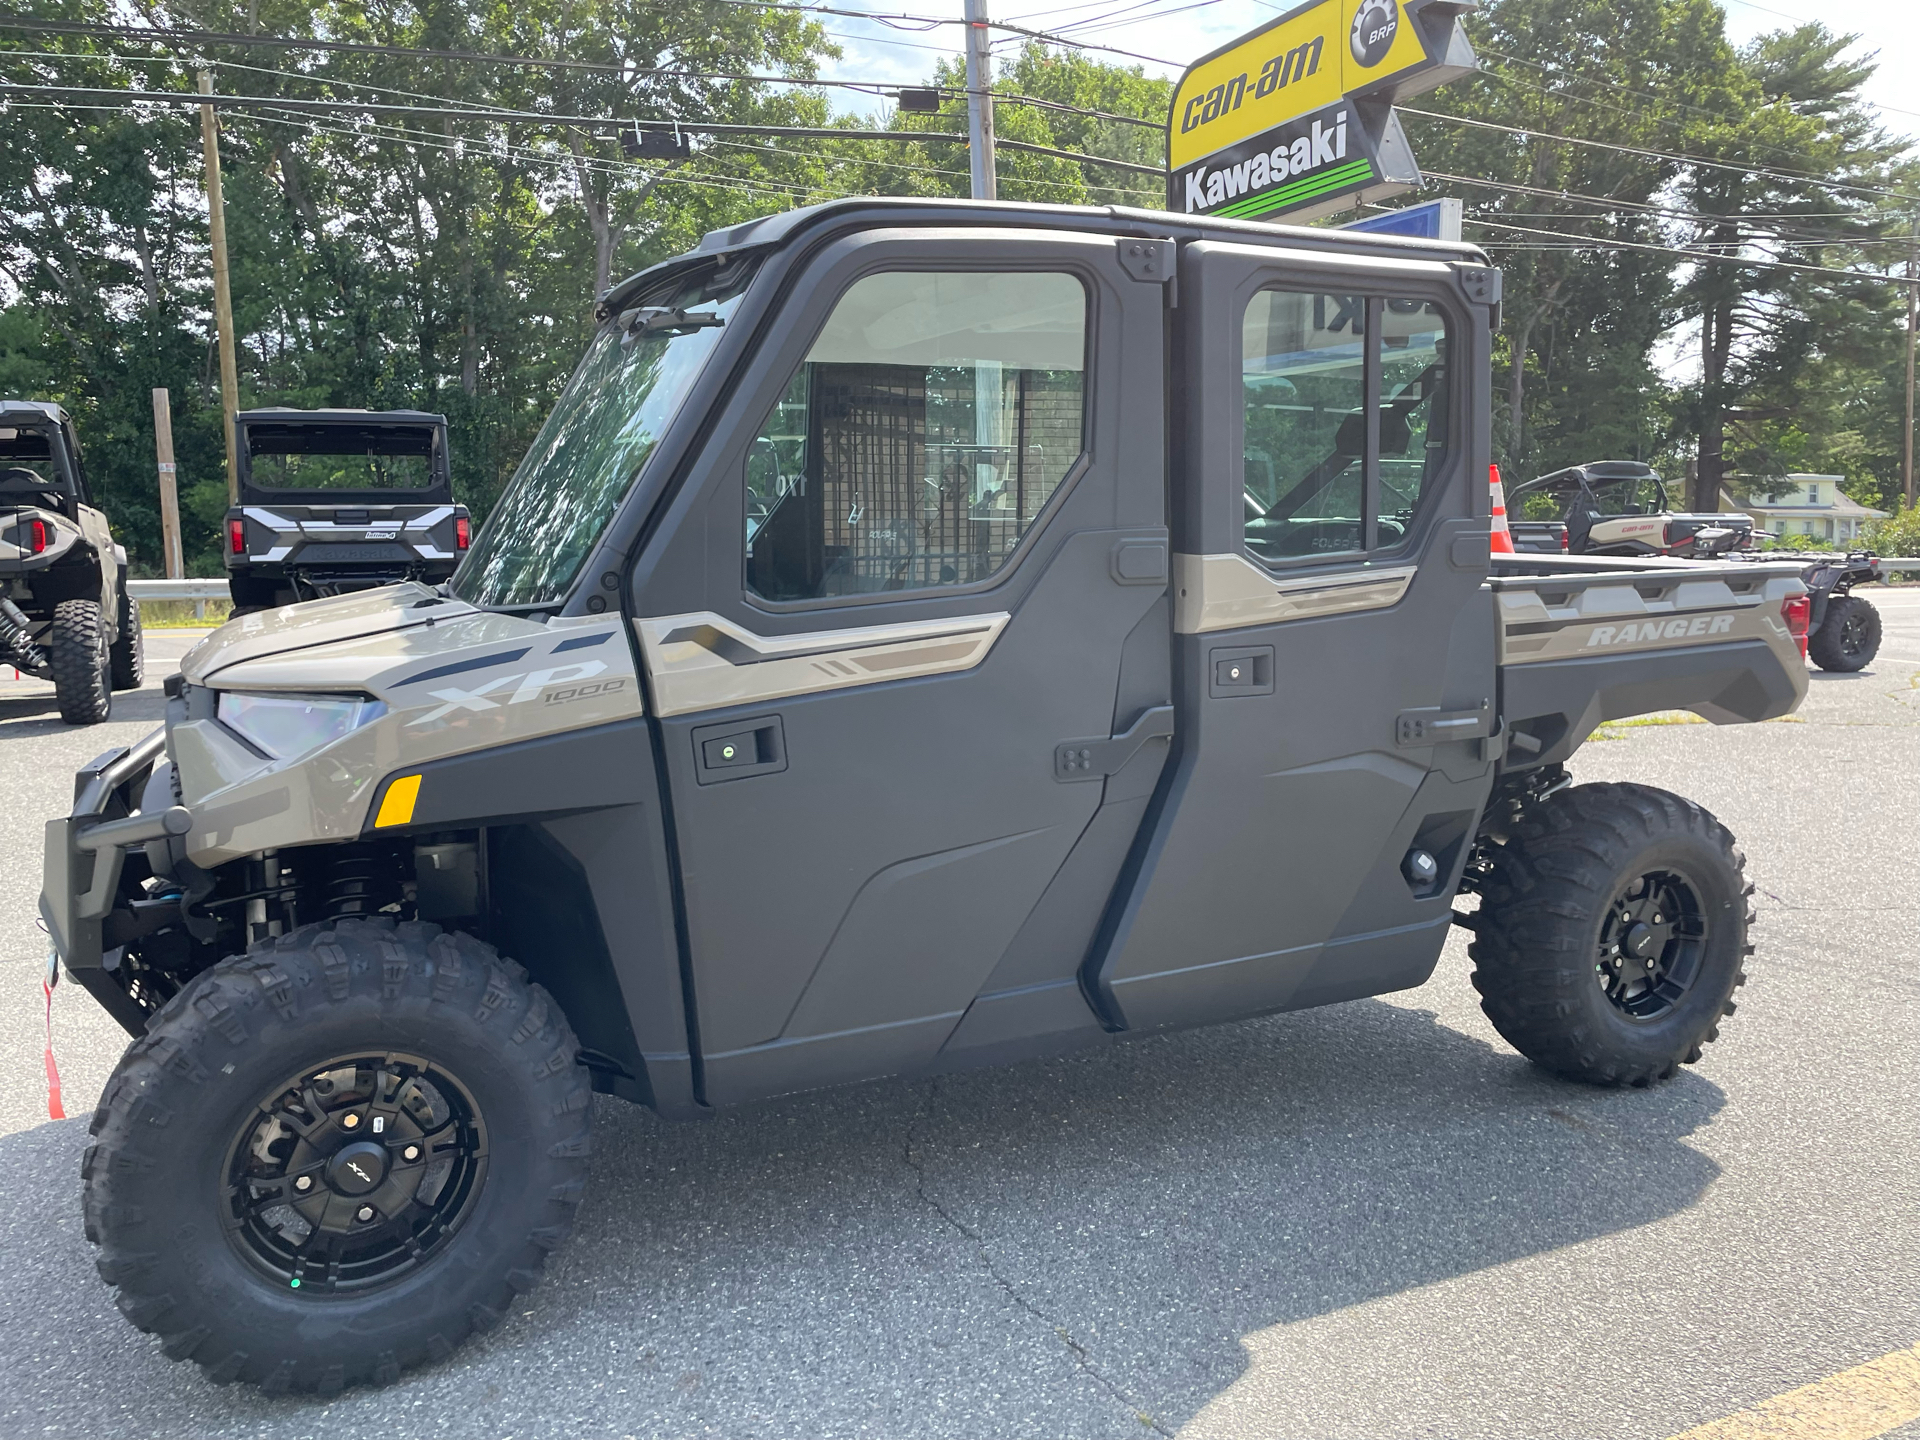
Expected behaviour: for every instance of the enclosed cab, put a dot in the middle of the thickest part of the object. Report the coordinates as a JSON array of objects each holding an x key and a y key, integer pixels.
[
  {"x": 65, "y": 613},
  {"x": 923, "y": 635},
  {"x": 333, "y": 501}
]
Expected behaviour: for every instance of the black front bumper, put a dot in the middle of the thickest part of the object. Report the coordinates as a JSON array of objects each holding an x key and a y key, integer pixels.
[{"x": 85, "y": 858}]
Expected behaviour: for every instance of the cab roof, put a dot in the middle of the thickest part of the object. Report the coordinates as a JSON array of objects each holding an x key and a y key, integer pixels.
[
  {"x": 1116, "y": 220},
  {"x": 339, "y": 417},
  {"x": 31, "y": 412}
]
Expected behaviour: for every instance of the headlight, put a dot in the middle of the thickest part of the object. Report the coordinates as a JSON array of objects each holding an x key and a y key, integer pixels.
[{"x": 284, "y": 726}]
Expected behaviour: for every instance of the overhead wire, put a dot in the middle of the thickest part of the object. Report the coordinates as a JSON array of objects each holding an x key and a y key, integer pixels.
[
  {"x": 1757, "y": 222},
  {"x": 1650, "y": 154},
  {"x": 628, "y": 68},
  {"x": 1581, "y": 242},
  {"x": 598, "y": 122}
]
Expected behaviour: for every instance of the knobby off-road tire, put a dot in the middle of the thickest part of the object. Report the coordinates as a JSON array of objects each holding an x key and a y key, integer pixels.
[
  {"x": 1562, "y": 970},
  {"x": 129, "y": 651},
  {"x": 1848, "y": 637},
  {"x": 77, "y": 653},
  {"x": 245, "y": 1073}
]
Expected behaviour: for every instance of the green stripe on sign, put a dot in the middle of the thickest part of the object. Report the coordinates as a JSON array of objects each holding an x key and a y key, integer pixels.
[{"x": 1353, "y": 171}]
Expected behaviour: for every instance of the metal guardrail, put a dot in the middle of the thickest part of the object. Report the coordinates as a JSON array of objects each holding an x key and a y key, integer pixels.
[{"x": 177, "y": 589}]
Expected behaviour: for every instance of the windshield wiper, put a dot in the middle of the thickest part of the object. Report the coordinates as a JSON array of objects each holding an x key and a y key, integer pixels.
[{"x": 665, "y": 320}]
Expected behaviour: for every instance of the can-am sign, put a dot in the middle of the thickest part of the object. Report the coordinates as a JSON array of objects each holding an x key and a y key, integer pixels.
[{"x": 1297, "y": 117}]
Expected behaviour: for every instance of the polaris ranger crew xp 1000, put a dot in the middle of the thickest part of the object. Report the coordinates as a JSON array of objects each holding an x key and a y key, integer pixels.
[
  {"x": 333, "y": 501},
  {"x": 923, "y": 635},
  {"x": 65, "y": 614}
]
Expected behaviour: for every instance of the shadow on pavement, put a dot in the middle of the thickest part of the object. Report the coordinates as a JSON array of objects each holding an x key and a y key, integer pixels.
[
  {"x": 26, "y": 715},
  {"x": 1052, "y": 1249}
]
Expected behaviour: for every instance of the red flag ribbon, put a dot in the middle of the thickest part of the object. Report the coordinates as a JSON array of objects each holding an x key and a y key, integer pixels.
[{"x": 54, "y": 1109}]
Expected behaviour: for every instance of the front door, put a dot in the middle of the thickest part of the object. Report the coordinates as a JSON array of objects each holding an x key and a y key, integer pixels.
[
  {"x": 1333, "y": 649},
  {"x": 934, "y": 590}
]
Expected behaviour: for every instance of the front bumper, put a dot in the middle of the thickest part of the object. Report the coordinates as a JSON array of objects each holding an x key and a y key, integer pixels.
[{"x": 85, "y": 859}]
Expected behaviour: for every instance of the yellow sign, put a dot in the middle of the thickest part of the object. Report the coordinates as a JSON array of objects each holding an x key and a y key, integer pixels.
[
  {"x": 1308, "y": 58},
  {"x": 1266, "y": 125}
]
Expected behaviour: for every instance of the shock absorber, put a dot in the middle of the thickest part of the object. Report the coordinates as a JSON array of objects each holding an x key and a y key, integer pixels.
[
  {"x": 360, "y": 882},
  {"x": 16, "y": 643}
]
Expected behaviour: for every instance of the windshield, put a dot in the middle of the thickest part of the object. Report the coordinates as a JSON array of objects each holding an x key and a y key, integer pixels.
[
  {"x": 636, "y": 372},
  {"x": 340, "y": 457}
]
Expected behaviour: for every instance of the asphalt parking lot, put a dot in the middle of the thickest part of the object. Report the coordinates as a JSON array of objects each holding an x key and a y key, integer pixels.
[{"x": 1372, "y": 1220}]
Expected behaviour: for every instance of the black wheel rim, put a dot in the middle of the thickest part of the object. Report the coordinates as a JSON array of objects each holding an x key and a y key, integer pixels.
[
  {"x": 1853, "y": 635},
  {"x": 354, "y": 1173},
  {"x": 1652, "y": 941}
]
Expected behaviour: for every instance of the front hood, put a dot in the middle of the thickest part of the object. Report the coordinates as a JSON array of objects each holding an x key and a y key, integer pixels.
[
  {"x": 450, "y": 679},
  {"x": 319, "y": 622}
]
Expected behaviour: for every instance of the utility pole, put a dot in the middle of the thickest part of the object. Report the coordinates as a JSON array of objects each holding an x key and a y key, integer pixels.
[
  {"x": 1913, "y": 316},
  {"x": 222, "y": 296},
  {"x": 169, "y": 494},
  {"x": 980, "y": 102}
]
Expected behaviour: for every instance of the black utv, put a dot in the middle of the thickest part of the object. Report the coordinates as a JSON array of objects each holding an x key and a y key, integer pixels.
[
  {"x": 65, "y": 614},
  {"x": 333, "y": 501}
]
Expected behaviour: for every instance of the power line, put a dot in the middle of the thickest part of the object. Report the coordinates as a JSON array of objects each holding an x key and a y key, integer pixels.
[
  {"x": 1581, "y": 242},
  {"x": 1506, "y": 79},
  {"x": 1643, "y": 207},
  {"x": 498, "y": 114},
  {"x": 631, "y": 69},
  {"x": 929, "y": 21},
  {"x": 1647, "y": 154}
]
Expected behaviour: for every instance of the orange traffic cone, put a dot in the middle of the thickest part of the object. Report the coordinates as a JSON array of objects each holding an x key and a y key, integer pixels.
[{"x": 1502, "y": 536}]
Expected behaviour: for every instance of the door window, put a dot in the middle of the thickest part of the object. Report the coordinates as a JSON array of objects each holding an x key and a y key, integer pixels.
[
  {"x": 1345, "y": 420},
  {"x": 924, "y": 433}
]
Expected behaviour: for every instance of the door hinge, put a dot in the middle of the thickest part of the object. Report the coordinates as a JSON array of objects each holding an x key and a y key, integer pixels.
[
  {"x": 1152, "y": 262},
  {"x": 1102, "y": 756}
]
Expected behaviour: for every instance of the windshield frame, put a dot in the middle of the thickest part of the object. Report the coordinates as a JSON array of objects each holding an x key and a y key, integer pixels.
[{"x": 725, "y": 283}]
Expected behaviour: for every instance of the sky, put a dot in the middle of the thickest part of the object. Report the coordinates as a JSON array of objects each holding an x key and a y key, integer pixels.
[{"x": 1175, "y": 32}]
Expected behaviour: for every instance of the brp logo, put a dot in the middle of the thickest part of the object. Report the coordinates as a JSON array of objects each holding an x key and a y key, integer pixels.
[{"x": 1374, "y": 27}]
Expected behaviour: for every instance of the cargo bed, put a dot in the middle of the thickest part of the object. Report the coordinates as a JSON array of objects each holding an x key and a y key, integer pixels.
[{"x": 1581, "y": 641}]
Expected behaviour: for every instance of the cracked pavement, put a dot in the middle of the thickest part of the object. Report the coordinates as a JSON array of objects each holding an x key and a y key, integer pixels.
[{"x": 1367, "y": 1221}]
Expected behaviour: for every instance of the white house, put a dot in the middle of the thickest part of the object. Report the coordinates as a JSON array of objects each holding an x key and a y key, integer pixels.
[{"x": 1813, "y": 506}]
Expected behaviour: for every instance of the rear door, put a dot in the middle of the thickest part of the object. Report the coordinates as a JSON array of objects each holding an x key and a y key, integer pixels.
[
  {"x": 910, "y": 593},
  {"x": 1333, "y": 650}
]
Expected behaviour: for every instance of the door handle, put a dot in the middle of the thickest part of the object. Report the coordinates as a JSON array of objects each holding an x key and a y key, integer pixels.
[
  {"x": 1102, "y": 756},
  {"x": 740, "y": 749}
]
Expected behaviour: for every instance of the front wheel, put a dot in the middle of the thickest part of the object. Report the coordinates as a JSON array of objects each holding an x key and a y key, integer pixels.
[
  {"x": 1612, "y": 933},
  {"x": 1848, "y": 637},
  {"x": 338, "y": 1156}
]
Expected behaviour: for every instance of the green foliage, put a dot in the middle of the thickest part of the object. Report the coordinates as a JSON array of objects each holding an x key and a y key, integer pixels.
[
  {"x": 396, "y": 262},
  {"x": 378, "y": 264},
  {"x": 1897, "y": 535}
]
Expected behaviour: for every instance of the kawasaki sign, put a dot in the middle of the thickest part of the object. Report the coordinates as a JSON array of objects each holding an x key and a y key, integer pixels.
[{"x": 1297, "y": 118}]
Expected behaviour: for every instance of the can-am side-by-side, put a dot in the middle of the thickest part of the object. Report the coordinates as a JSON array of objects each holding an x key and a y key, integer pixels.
[
  {"x": 924, "y": 635},
  {"x": 65, "y": 612}
]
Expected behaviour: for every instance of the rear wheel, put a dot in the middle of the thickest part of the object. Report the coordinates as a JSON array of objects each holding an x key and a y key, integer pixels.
[
  {"x": 338, "y": 1156},
  {"x": 1848, "y": 637},
  {"x": 77, "y": 654},
  {"x": 129, "y": 652},
  {"x": 1612, "y": 933}
]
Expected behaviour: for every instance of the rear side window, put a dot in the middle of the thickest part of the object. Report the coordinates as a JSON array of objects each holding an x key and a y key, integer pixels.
[
  {"x": 1345, "y": 404},
  {"x": 925, "y": 432}
]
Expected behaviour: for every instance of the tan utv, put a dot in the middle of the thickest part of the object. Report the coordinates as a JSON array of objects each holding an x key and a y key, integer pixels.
[
  {"x": 65, "y": 614},
  {"x": 924, "y": 635}
]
